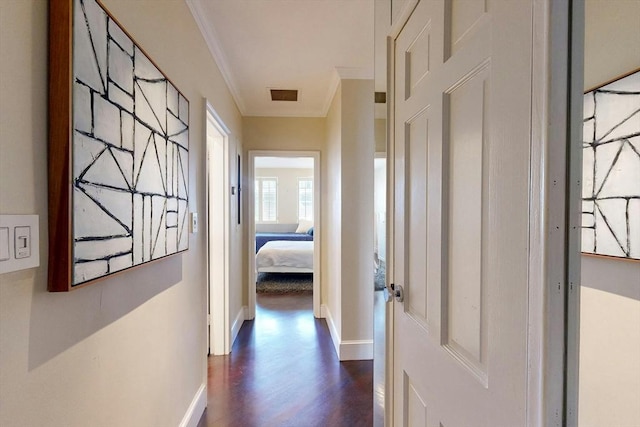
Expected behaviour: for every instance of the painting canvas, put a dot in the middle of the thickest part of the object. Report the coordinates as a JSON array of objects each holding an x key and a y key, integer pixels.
[
  {"x": 611, "y": 169},
  {"x": 129, "y": 152}
]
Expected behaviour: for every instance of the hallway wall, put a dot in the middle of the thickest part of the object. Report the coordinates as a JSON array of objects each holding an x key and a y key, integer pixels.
[
  {"x": 284, "y": 134},
  {"x": 131, "y": 349},
  {"x": 349, "y": 212},
  {"x": 610, "y": 293}
]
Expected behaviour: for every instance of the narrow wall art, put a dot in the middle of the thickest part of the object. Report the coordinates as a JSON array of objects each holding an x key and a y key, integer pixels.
[
  {"x": 611, "y": 169},
  {"x": 118, "y": 150}
]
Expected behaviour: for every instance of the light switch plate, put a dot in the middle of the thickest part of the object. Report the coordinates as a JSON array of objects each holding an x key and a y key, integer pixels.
[
  {"x": 22, "y": 241},
  {"x": 4, "y": 243},
  {"x": 194, "y": 222},
  {"x": 22, "y": 248}
]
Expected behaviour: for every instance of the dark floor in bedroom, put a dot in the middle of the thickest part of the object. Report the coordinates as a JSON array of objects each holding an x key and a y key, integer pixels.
[{"x": 283, "y": 371}]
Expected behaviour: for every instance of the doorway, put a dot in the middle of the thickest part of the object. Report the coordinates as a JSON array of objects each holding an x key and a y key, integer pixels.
[
  {"x": 284, "y": 207},
  {"x": 380, "y": 263},
  {"x": 218, "y": 217}
]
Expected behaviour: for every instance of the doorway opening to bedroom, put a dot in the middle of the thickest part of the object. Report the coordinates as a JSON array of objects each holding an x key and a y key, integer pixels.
[{"x": 284, "y": 209}]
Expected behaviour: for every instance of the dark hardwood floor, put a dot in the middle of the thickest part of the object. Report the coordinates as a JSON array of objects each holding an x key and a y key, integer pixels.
[{"x": 283, "y": 371}]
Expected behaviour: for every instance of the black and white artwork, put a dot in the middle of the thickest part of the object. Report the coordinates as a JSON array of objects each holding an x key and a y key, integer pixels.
[
  {"x": 611, "y": 169},
  {"x": 130, "y": 152}
]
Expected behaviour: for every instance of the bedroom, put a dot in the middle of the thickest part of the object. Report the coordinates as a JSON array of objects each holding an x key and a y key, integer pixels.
[{"x": 283, "y": 213}]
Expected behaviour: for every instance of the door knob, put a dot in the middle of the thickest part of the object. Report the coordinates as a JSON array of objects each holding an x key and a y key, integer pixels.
[{"x": 394, "y": 291}]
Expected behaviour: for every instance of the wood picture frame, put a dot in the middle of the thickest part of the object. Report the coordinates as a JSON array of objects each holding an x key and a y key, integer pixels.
[{"x": 118, "y": 153}]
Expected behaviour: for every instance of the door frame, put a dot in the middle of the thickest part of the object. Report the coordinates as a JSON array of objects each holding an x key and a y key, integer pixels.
[
  {"x": 317, "y": 225},
  {"x": 554, "y": 225},
  {"x": 219, "y": 332}
]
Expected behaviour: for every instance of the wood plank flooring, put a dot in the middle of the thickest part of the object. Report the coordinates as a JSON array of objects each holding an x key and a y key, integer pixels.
[{"x": 283, "y": 371}]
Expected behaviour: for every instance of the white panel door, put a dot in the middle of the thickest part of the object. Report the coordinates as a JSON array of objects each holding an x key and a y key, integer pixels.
[{"x": 461, "y": 157}]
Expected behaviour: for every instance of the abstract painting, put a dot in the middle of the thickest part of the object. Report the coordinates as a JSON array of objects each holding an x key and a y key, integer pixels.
[
  {"x": 129, "y": 152},
  {"x": 611, "y": 169}
]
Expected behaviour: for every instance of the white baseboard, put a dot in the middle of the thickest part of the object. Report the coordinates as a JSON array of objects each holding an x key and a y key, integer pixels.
[
  {"x": 237, "y": 324},
  {"x": 323, "y": 311},
  {"x": 356, "y": 350},
  {"x": 196, "y": 408},
  {"x": 347, "y": 350},
  {"x": 247, "y": 315},
  {"x": 335, "y": 336}
]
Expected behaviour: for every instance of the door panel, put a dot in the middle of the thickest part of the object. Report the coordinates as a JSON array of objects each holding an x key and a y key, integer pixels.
[
  {"x": 416, "y": 178},
  {"x": 461, "y": 19},
  {"x": 464, "y": 324},
  {"x": 461, "y": 157}
]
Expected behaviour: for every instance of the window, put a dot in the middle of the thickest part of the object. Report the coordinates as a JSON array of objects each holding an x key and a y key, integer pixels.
[
  {"x": 266, "y": 199},
  {"x": 305, "y": 199}
]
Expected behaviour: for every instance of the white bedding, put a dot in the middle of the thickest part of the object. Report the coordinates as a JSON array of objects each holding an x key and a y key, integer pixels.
[{"x": 285, "y": 256}]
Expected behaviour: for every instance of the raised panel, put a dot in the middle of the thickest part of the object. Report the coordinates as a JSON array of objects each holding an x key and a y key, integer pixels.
[
  {"x": 415, "y": 408},
  {"x": 461, "y": 16},
  {"x": 417, "y": 59},
  {"x": 396, "y": 8},
  {"x": 416, "y": 152},
  {"x": 463, "y": 306}
]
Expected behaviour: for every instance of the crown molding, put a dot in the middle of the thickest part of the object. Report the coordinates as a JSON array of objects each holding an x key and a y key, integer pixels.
[
  {"x": 211, "y": 38},
  {"x": 344, "y": 73},
  {"x": 331, "y": 93}
]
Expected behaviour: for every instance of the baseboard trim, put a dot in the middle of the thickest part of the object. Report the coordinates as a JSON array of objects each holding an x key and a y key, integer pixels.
[
  {"x": 356, "y": 350},
  {"x": 323, "y": 311},
  {"x": 333, "y": 331},
  {"x": 348, "y": 349},
  {"x": 247, "y": 314},
  {"x": 237, "y": 324},
  {"x": 196, "y": 408}
]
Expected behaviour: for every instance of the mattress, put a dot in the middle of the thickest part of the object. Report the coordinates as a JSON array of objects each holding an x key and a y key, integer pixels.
[{"x": 285, "y": 256}]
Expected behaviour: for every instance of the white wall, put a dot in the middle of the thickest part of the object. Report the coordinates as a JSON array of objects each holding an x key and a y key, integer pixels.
[
  {"x": 131, "y": 349},
  {"x": 348, "y": 256},
  {"x": 283, "y": 134},
  {"x": 287, "y": 190},
  {"x": 331, "y": 251},
  {"x": 612, "y": 40},
  {"x": 380, "y": 134},
  {"x": 609, "y": 343},
  {"x": 610, "y": 295},
  {"x": 357, "y": 209}
]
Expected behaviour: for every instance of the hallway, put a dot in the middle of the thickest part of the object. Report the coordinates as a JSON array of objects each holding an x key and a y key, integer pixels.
[{"x": 283, "y": 371}]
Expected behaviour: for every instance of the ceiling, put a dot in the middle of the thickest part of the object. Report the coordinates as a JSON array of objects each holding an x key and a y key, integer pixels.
[{"x": 287, "y": 44}]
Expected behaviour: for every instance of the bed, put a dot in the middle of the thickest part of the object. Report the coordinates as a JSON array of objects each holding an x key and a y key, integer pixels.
[
  {"x": 285, "y": 256},
  {"x": 262, "y": 238}
]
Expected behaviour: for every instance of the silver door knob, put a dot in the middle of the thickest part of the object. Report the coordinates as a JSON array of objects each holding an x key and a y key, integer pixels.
[{"x": 393, "y": 291}]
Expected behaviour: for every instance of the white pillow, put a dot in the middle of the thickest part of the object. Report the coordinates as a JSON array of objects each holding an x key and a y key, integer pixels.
[{"x": 304, "y": 226}]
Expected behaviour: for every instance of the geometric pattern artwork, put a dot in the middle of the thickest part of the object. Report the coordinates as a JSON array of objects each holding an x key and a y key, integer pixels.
[
  {"x": 611, "y": 169},
  {"x": 130, "y": 152}
]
